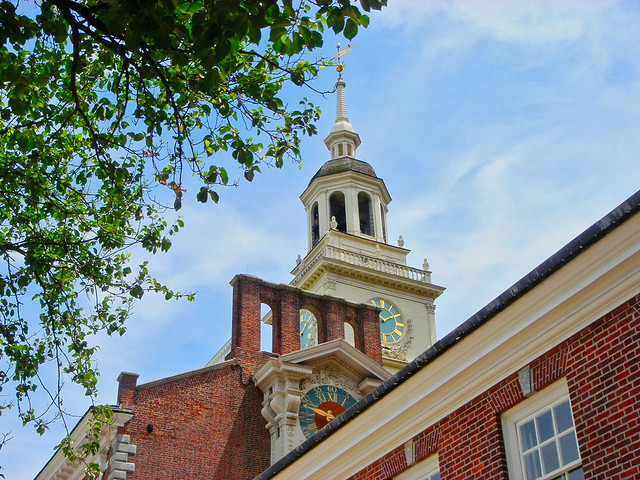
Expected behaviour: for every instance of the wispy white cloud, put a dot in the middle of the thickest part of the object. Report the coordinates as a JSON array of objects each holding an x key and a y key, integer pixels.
[{"x": 524, "y": 21}]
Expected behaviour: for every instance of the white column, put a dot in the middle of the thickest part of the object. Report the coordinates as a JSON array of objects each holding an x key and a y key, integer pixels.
[
  {"x": 353, "y": 215},
  {"x": 323, "y": 212},
  {"x": 377, "y": 218},
  {"x": 308, "y": 209}
]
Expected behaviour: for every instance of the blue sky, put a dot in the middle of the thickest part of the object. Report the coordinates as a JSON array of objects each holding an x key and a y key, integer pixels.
[{"x": 501, "y": 129}]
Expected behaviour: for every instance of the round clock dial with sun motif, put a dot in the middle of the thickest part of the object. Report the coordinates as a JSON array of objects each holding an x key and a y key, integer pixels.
[
  {"x": 392, "y": 327},
  {"x": 320, "y": 405}
]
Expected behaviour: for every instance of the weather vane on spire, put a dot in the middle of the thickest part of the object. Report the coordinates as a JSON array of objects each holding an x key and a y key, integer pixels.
[{"x": 338, "y": 56}]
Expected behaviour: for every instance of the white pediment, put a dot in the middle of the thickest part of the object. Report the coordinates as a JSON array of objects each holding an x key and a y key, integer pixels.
[{"x": 341, "y": 355}]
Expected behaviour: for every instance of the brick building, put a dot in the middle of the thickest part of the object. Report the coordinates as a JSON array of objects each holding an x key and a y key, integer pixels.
[{"x": 543, "y": 382}]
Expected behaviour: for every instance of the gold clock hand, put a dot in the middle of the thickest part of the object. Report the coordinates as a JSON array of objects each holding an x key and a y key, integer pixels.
[
  {"x": 326, "y": 414},
  {"x": 318, "y": 411}
]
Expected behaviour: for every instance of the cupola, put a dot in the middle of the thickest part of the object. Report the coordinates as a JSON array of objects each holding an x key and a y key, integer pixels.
[{"x": 345, "y": 194}]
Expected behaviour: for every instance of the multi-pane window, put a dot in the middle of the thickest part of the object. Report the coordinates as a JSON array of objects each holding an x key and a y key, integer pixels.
[
  {"x": 425, "y": 470},
  {"x": 540, "y": 438},
  {"x": 548, "y": 443},
  {"x": 433, "y": 476}
]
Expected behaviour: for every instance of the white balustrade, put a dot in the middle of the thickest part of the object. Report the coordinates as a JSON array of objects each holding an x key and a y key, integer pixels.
[{"x": 359, "y": 259}]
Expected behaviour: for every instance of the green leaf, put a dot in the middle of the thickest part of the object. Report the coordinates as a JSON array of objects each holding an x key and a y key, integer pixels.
[
  {"x": 136, "y": 291},
  {"x": 203, "y": 195},
  {"x": 223, "y": 176},
  {"x": 297, "y": 78},
  {"x": 350, "y": 29}
]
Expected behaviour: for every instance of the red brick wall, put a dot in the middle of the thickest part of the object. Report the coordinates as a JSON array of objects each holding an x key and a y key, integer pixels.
[
  {"x": 602, "y": 367},
  {"x": 395, "y": 462},
  {"x": 206, "y": 425}
]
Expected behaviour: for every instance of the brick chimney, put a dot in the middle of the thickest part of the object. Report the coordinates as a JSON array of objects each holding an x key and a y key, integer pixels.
[{"x": 126, "y": 389}]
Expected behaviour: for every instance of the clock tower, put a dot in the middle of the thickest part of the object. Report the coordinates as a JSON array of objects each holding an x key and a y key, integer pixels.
[
  {"x": 354, "y": 313},
  {"x": 350, "y": 255}
]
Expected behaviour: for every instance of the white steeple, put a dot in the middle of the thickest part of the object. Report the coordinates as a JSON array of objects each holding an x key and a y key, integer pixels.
[
  {"x": 342, "y": 140},
  {"x": 341, "y": 101},
  {"x": 349, "y": 254}
]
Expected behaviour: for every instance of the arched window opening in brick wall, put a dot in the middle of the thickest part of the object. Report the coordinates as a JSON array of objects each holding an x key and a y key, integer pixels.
[
  {"x": 349, "y": 334},
  {"x": 308, "y": 327},
  {"x": 266, "y": 330}
]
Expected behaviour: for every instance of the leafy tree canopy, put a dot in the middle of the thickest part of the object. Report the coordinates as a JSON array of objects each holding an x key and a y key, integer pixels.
[{"x": 104, "y": 104}]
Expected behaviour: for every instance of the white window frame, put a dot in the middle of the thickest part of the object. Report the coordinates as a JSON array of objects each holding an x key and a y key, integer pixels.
[
  {"x": 420, "y": 470},
  {"x": 557, "y": 392}
]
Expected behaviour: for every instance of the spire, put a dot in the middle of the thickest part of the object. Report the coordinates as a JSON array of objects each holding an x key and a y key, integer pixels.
[
  {"x": 341, "y": 102},
  {"x": 342, "y": 140}
]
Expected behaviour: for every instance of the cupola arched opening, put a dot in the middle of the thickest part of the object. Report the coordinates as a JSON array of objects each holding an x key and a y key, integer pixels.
[
  {"x": 337, "y": 210},
  {"x": 365, "y": 213},
  {"x": 315, "y": 225}
]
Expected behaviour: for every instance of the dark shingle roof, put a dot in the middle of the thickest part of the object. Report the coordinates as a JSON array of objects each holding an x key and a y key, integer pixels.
[{"x": 344, "y": 164}]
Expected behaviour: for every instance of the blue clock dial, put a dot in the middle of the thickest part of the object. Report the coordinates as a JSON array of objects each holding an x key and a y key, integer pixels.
[
  {"x": 320, "y": 405},
  {"x": 392, "y": 326},
  {"x": 308, "y": 329}
]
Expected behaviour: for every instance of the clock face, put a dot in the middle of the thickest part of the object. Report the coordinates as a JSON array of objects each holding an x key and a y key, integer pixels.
[
  {"x": 308, "y": 329},
  {"x": 320, "y": 405},
  {"x": 391, "y": 322}
]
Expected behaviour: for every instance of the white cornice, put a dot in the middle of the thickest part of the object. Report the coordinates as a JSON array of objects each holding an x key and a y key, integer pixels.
[
  {"x": 604, "y": 276},
  {"x": 341, "y": 180},
  {"x": 59, "y": 467},
  {"x": 275, "y": 367}
]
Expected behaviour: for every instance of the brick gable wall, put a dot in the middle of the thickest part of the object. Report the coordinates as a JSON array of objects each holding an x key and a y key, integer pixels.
[
  {"x": 208, "y": 423},
  {"x": 205, "y": 425},
  {"x": 601, "y": 364}
]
